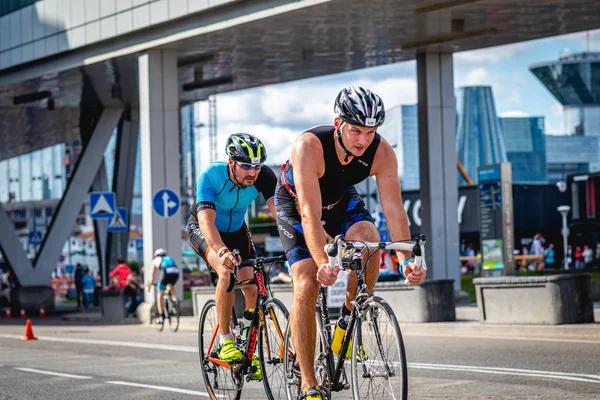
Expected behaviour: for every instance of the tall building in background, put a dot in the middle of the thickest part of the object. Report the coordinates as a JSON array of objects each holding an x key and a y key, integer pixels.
[
  {"x": 525, "y": 144},
  {"x": 479, "y": 139},
  {"x": 567, "y": 155},
  {"x": 410, "y": 148},
  {"x": 391, "y": 130},
  {"x": 39, "y": 175},
  {"x": 574, "y": 80}
]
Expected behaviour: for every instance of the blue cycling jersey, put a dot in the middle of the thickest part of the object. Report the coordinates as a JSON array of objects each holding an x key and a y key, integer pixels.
[
  {"x": 167, "y": 263},
  {"x": 216, "y": 191}
]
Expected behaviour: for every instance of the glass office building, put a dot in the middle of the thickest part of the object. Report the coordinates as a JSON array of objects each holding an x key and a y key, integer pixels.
[
  {"x": 479, "y": 139},
  {"x": 574, "y": 80},
  {"x": 39, "y": 175},
  {"x": 410, "y": 147},
  {"x": 525, "y": 144},
  {"x": 568, "y": 155}
]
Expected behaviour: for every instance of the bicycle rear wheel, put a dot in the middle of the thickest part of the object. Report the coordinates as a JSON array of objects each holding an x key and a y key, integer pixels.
[
  {"x": 172, "y": 310},
  {"x": 271, "y": 349},
  {"x": 292, "y": 368},
  {"x": 221, "y": 381},
  {"x": 378, "y": 370},
  {"x": 154, "y": 318}
]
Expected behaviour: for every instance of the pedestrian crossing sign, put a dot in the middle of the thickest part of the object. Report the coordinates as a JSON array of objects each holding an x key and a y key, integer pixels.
[
  {"x": 118, "y": 223},
  {"x": 102, "y": 204}
]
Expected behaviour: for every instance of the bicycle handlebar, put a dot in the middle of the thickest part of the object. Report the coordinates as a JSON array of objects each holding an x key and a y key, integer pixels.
[
  {"x": 250, "y": 262},
  {"x": 334, "y": 250}
]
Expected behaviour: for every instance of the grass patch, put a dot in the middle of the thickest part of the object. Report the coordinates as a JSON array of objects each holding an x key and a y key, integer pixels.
[
  {"x": 466, "y": 281},
  {"x": 187, "y": 294}
]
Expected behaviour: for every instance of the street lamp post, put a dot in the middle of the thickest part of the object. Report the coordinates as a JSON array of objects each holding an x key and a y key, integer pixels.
[{"x": 564, "y": 210}]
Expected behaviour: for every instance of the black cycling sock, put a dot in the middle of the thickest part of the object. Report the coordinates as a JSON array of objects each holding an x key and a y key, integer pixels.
[{"x": 247, "y": 314}]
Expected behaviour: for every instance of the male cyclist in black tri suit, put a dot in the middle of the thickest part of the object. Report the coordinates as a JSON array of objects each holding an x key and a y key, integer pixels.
[
  {"x": 216, "y": 226},
  {"x": 315, "y": 197}
]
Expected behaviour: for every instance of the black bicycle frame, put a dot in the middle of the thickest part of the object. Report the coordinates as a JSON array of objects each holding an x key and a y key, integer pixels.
[
  {"x": 324, "y": 314},
  {"x": 261, "y": 298}
]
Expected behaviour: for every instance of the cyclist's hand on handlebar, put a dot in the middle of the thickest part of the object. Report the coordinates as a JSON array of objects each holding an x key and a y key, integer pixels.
[
  {"x": 415, "y": 275},
  {"x": 327, "y": 276},
  {"x": 229, "y": 261}
]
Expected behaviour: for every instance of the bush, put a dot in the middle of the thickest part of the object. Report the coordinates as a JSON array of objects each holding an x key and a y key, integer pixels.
[{"x": 134, "y": 266}]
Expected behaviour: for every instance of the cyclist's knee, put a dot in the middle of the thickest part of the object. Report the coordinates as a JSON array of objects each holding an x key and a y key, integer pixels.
[
  {"x": 306, "y": 289},
  {"x": 363, "y": 230}
]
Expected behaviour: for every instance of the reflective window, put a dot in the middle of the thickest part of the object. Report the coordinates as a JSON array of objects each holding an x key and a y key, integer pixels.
[{"x": 8, "y": 6}]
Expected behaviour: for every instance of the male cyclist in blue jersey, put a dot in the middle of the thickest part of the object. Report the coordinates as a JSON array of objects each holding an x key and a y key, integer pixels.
[
  {"x": 170, "y": 275},
  {"x": 216, "y": 226}
]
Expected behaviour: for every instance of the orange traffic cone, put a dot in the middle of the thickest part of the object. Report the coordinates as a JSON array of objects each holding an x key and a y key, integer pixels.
[
  {"x": 42, "y": 312},
  {"x": 28, "y": 332},
  {"x": 23, "y": 313},
  {"x": 8, "y": 314}
]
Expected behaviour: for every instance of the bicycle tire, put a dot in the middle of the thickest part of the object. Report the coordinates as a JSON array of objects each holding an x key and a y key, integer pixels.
[
  {"x": 154, "y": 317},
  {"x": 392, "y": 371},
  {"x": 292, "y": 369},
  {"x": 173, "y": 312},
  {"x": 272, "y": 346},
  {"x": 207, "y": 325}
]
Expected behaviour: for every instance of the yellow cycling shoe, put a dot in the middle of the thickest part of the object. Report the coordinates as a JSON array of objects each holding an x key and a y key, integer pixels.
[
  {"x": 311, "y": 394},
  {"x": 228, "y": 352},
  {"x": 257, "y": 375}
]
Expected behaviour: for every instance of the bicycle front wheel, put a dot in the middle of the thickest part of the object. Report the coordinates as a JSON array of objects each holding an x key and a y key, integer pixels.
[
  {"x": 271, "y": 349},
  {"x": 221, "y": 381},
  {"x": 378, "y": 367}
]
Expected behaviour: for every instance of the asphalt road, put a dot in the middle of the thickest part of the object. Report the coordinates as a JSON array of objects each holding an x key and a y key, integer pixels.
[{"x": 78, "y": 361}]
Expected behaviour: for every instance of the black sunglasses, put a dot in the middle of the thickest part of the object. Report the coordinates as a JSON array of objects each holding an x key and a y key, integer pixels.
[{"x": 248, "y": 167}]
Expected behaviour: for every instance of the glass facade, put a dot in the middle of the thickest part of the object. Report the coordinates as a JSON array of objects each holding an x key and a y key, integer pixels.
[
  {"x": 479, "y": 139},
  {"x": 410, "y": 147},
  {"x": 40, "y": 175},
  {"x": 571, "y": 155},
  {"x": 575, "y": 82},
  {"x": 582, "y": 121},
  {"x": 8, "y": 6},
  {"x": 525, "y": 148}
]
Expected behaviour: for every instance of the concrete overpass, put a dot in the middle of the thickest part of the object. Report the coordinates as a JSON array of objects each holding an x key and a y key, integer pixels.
[{"x": 80, "y": 69}]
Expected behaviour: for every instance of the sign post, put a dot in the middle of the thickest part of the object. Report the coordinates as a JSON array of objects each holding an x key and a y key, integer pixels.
[{"x": 496, "y": 225}]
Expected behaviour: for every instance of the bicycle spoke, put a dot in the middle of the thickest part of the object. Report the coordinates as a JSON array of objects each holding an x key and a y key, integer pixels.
[
  {"x": 385, "y": 361},
  {"x": 271, "y": 351},
  {"x": 220, "y": 380}
]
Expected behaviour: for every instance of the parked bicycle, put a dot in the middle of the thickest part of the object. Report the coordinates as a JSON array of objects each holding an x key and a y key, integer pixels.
[
  {"x": 171, "y": 309},
  {"x": 378, "y": 361},
  {"x": 267, "y": 331}
]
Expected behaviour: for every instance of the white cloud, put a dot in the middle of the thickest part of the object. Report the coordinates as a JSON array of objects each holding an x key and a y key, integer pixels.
[
  {"x": 492, "y": 55},
  {"x": 554, "y": 120},
  {"x": 514, "y": 114}
]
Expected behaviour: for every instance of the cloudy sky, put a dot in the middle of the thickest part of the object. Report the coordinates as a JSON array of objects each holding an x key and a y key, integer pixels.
[{"x": 279, "y": 113}]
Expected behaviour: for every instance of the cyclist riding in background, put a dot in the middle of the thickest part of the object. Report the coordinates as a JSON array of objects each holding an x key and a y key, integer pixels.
[
  {"x": 315, "y": 196},
  {"x": 170, "y": 275},
  {"x": 216, "y": 226}
]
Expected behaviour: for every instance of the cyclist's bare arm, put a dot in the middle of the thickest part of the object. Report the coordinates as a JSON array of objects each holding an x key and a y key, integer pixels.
[
  {"x": 155, "y": 267},
  {"x": 307, "y": 160},
  {"x": 206, "y": 221},
  {"x": 271, "y": 205},
  {"x": 385, "y": 169}
]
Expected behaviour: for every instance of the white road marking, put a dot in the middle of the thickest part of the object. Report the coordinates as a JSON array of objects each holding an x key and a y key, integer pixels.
[
  {"x": 163, "y": 388},
  {"x": 516, "y": 338},
  {"x": 39, "y": 371},
  {"x": 510, "y": 371},
  {"x": 157, "y": 346}
]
